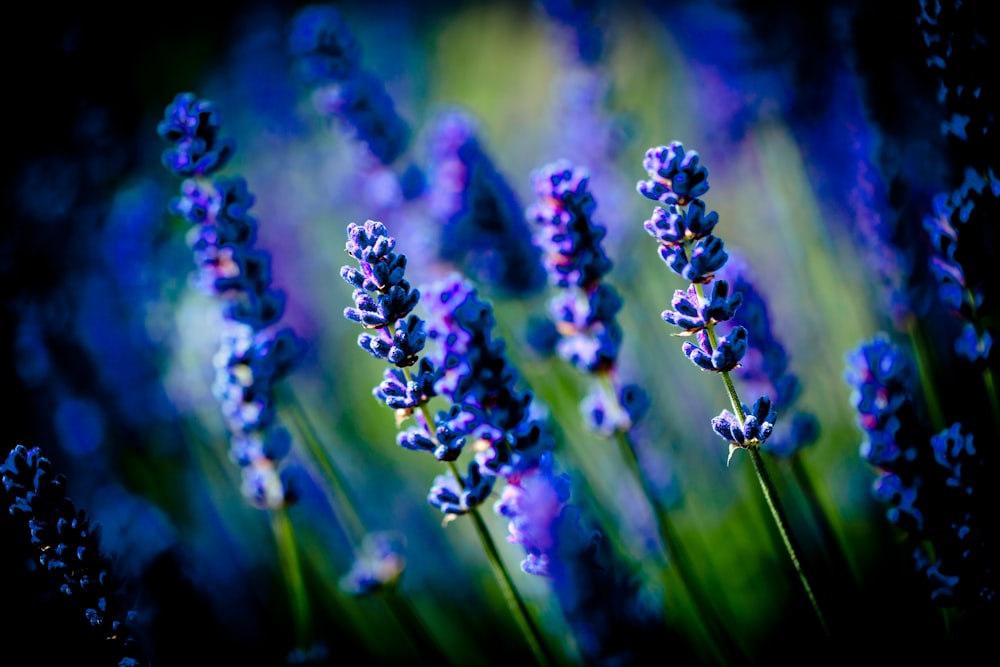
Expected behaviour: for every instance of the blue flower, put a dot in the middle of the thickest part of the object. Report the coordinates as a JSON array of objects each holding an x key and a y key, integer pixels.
[
  {"x": 674, "y": 225},
  {"x": 192, "y": 125},
  {"x": 706, "y": 256},
  {"x": 254, "y": 353},
  {"x": 756, "y": 426},
  {"x": 67, "y": 548},
  {"x": 675, "y": 177},
  {"x": 326, "y": 57},
  {"x": 724, "y": 356},
  {"x": 692, "y": 313},
  {"x": 567, "y": 236},
  {"x": 378, "y": 564},
  {"x": 483, "y": 228},
  {"x": 455, "y": 498}
]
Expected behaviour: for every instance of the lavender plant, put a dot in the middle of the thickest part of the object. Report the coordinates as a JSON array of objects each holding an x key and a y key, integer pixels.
[
  {"x": 383, "y": 304},
  {"x": 254, "y": 352},
  {"x": 65, "y": 549},
  {"x": 589, "y": 337},
  {"x": 327, "y": 58},
  {"x": 598, "y": 597},
  {"x": 482, "y": 226},
  {"x": 89, "y": 324},
  {"x": 684, "y": 229},
  {"x": 932, "y": 483}
]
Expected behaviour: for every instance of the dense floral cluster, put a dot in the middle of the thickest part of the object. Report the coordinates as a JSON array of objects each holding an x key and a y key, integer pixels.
[
  {"x": 514, "y": 444},
  {"x": 255, "y": 352},
  {"x": 935, "y": 485},
  {"x": 67, "y": 547},
  {"x": 683, "y": 229},
  {"x": 328, "y": 59},
  {"x": 482, "y": 226},
  {"x": 585, "y": 309}
]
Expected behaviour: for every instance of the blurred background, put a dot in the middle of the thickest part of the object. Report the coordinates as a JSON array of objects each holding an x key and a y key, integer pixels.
[{"x": 824, "y": 146}]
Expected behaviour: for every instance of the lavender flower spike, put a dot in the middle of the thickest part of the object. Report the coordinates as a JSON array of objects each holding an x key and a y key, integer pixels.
[
  {"x": 254, "y": 353},
  {"x": 676, "y": 179},
  {"x": 67, "y": 547},
  {"x": 674, "y": 175}
]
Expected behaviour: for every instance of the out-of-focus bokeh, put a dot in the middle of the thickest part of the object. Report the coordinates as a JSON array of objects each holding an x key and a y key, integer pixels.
[{"x": 821, "y": 127}]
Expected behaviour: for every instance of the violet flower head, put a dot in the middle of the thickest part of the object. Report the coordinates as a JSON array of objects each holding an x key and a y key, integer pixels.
[
  {"x": 568, "y": 238},
  {"x": 255, "y": 352},
  {"x": 382, "y": 296},
  {"x": 481, "y": 382},
  {"x": 675, "y": 177},
  {"x": 384, "y": 301},
  {"x": 67, "y": 550},
  {"x": 327, "y": 58},
  {"x": 585, "y": 310},
  {"x": 881, "y": 378},
  {"x": 687, "y": 246},
  {"x": 692, "y": 313},
  {"x": 965, "y": 299},
  {"x": 378, "y": 564},
  {"x": 756, "y": 426},
  {"x": 934, "y": 485},
  {"x": 191, "y": 126},
  {"x": 483, "y": 230}
]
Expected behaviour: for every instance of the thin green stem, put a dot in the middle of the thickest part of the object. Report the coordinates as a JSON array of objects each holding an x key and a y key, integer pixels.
[
  {"x": 402, "y": 609},
  {"x": 922, "y": 357},
  {"x": 352, "y": 525},
  {"x": 677, "y": 555},
  {"x": 767, "y": 486},
  {"x": 291, "y": 569},
  {"x": 340, "y": 504},
  {"x": 784, "y": 529},
  {"x": 991, "y": 393},
  {"x": 513, "y": 598}
]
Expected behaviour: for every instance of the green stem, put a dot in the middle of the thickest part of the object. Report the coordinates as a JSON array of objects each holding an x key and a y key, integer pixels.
[
  {"x": 677, "y": 555},
  {"x": 514, "y": 600},
  {"x": 353, "y": 527},
  {"x": 784, "y": 529},
  {"x": 767, "y": 486},
  {"x": 340, "y": 504},
  {"x": 402, "y": 609},
  {"x": 922, "y": 357},
  {"x": 291, "y": 569}
]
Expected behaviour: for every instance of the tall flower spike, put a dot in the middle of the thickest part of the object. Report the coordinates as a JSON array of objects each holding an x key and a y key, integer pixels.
[
  {"x": 67, "y": 548},
  {"x": 326, "y": 57},
  {"x": 677, "y": 180},
  {"x": 476, "y": 380},
  {"x": 934, "y": 485},
  {"x": 254, "y": 351},
  {"x": 515, "y": 445},
  {"x": 483, "y": 232}
]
